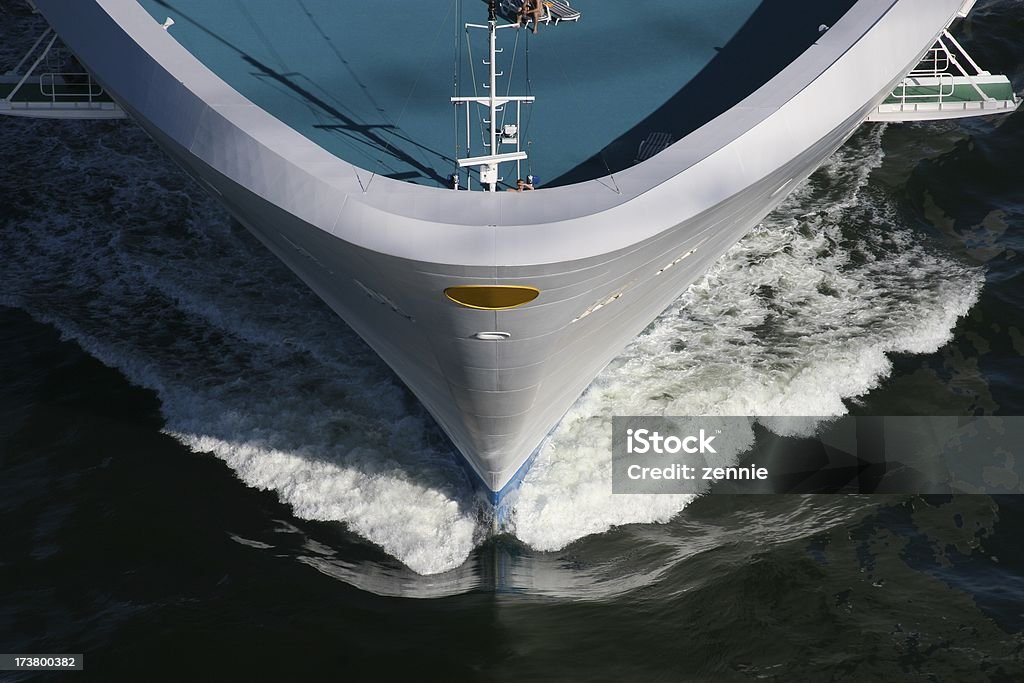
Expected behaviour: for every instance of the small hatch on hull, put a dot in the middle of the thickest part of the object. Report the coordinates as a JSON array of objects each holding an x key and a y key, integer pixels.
[
  {"x": 492, "y": 336},
  {"x": 491, "y": 297}
]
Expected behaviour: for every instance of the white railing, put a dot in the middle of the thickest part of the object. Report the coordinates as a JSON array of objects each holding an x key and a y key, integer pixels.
[
  {"x": 69, "y": 85},
  {"x": 939, "y": 69},
  {"x": 939, "y": 81},
  {"x": 935, "y": 61},
  {"x": 978, "y": 71}
]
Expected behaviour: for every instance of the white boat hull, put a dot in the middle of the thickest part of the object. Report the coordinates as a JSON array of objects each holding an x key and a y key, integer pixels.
[{"x": 607, "y": 256}]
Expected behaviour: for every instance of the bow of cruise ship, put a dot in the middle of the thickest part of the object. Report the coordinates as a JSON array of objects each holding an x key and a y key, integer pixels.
[{"x": 377, "y": 149}]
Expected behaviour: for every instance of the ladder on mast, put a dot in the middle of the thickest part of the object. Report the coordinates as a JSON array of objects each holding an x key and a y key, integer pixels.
[{"x": 488, "y": 164}]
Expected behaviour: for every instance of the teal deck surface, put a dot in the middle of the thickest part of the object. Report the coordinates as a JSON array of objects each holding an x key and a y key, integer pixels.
[{"x": 370, "y": 81}]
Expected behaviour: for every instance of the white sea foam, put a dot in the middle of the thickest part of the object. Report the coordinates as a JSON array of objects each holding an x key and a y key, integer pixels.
[
  {"x": 797, "y": 317},
  {"x": 150, "y": 277}
]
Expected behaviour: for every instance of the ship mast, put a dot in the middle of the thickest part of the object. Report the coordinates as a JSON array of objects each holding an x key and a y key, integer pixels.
[
  {"x": 492, "y": 30},
  {"x": 488, "y": 164}
]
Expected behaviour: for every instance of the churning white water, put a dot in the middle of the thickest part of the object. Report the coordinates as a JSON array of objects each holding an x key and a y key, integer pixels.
[
  {"x": 792, "y": 320},
  {"x": 131, "y": 261}
]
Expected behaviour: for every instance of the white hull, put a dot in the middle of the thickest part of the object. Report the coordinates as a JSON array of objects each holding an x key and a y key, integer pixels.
[{"x": 381, "y": 253}]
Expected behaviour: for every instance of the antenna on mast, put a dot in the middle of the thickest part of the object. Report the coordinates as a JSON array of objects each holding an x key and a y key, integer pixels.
[{"x": 495, "y": 104}]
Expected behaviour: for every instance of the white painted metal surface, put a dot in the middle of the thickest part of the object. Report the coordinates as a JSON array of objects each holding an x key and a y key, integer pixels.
[{"x": 608, "y": 255}]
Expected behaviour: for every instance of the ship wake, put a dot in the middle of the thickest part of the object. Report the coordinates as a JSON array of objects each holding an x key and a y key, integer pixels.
[
  {"x": 134, "y": 264},
  {"x": 798, "y": 317}
]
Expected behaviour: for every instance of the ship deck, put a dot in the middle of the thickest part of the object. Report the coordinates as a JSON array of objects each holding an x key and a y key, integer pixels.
[{"x": 370, "y": 82}]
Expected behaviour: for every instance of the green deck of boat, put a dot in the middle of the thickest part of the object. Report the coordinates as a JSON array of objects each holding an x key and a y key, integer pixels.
[{"x": 929, "y": 94}]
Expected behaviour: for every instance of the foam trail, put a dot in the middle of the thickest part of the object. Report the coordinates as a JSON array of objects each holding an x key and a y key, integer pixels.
[
  {"x": 133, "y": 262},
  {"x": 797, "y": 317}
]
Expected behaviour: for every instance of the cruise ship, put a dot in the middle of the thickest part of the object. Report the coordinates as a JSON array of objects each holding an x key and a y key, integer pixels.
[{"x": 497, "y": 200}]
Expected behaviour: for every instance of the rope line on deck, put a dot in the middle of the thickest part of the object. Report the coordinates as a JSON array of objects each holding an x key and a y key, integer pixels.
[
  {"x": 455, "y": 82},
  {"x": 476, "y": 93},
  {"x": 412, "y": 90},
  {"x": 529, "y": 112},
  {"x": 577, "y": 100}
]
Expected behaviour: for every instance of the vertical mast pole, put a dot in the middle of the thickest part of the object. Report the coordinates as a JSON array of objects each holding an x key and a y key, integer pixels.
[{"x": 492, "y": 21}]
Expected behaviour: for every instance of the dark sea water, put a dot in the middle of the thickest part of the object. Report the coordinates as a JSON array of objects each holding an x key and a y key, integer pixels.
[{"x": 205, "y": 475}]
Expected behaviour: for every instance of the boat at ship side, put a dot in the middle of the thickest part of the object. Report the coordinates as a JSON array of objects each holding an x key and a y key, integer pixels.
[{"x": 606, "y": 255}]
